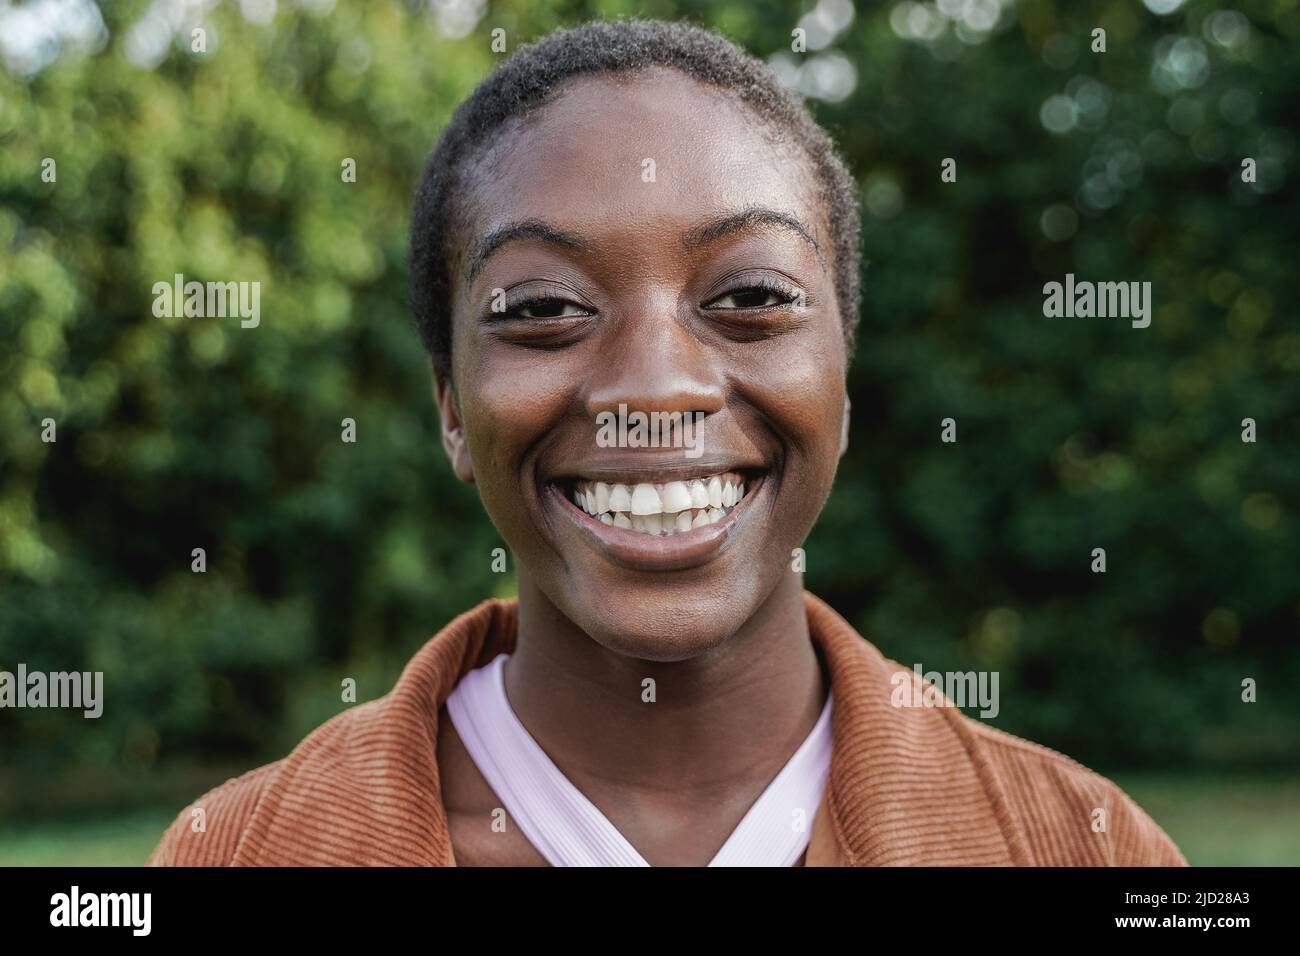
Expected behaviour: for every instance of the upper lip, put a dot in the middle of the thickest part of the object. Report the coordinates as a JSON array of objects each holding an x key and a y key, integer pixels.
[{"x": 653, "y": 469}]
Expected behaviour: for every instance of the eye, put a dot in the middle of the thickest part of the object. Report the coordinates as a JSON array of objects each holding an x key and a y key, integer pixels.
[
  {"x": 758, "y": 295},
  {"x": 547, "y": 307}
]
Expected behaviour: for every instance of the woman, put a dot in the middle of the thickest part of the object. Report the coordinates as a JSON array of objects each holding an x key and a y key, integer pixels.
[{"x": 635, "y": 219}]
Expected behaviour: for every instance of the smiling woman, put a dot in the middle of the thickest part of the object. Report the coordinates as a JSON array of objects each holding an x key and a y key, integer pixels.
[{"x": 663, "y": 691}]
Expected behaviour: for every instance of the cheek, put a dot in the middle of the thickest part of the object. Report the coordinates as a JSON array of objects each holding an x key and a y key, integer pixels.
[
  {"x": 798, "y": 383},
  {"x": 509, "y": 401}
]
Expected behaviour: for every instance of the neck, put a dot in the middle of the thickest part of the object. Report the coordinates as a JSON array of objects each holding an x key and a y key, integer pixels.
[{"x": 728, "y": 718}]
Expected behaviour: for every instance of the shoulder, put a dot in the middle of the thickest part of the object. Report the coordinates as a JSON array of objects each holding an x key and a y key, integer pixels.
[
  {"x": 367, "y": 775},
  {"x": 208, "y": 831},
  {"x": 1067, "y": 814},
  {"x": 328, "y": 763}
]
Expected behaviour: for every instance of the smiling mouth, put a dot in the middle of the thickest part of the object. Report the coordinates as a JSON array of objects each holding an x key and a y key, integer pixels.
[{"x": 660, "y": 509}]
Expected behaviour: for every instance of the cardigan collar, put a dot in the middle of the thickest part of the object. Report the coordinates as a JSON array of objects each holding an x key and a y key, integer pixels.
[{"x": 905, "y": 786}]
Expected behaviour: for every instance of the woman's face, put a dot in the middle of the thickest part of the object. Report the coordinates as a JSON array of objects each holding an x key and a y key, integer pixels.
[{"x": 644, "y": 244}]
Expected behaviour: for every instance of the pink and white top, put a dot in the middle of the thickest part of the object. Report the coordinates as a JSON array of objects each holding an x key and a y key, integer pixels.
[{"x": 568, "y": 830}]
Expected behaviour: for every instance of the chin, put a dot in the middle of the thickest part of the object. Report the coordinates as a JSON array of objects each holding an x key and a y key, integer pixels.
[{"x": 667, "y": 624}]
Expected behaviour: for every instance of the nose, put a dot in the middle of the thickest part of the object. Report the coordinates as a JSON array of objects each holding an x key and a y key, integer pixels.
[{"x": 654, "y": 363}]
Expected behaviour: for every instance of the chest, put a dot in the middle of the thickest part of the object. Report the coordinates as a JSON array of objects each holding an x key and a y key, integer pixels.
[{"x": 667, "y": 832}]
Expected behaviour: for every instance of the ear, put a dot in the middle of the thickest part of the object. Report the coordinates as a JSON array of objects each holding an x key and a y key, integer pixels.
[
  {"x": 844, "y": 427},
  {"x": 453, "y": 431}
]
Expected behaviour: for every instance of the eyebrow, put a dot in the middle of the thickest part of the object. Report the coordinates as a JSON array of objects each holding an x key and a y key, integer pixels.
[
  {"x": 515, "y": 231},
  {"x": 698, "y": 236},
  {"x": 747, "y": 219}
]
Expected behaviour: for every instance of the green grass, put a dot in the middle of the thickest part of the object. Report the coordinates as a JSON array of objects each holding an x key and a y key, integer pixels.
[
  {"x": 1224, "y": 820},
  {"x": 1221, "y": 820},
  {"x": 119, "y": 841}
]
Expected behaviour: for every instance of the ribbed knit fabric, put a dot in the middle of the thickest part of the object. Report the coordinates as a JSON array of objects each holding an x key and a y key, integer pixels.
[{"x": 908, "y": 785}]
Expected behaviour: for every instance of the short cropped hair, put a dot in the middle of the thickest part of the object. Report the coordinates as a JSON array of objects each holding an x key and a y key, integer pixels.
[{"x": 535, "y": 74}]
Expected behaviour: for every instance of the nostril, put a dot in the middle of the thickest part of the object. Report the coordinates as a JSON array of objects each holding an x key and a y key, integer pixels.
[{"x": 665, "y": 391}]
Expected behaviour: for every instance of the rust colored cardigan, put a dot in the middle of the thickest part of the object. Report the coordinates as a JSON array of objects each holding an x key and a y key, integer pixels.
[{"x": 908, "y": 785}]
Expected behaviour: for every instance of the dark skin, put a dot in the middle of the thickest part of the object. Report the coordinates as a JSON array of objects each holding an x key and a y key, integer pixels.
[{"x": 656, "y": 295}]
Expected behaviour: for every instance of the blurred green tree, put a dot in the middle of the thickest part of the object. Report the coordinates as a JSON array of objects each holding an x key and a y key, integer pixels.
[{"x": 327, "y": 559}]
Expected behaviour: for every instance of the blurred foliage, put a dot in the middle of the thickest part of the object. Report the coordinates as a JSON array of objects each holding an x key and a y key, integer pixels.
[{"x": 328, "y": 560}]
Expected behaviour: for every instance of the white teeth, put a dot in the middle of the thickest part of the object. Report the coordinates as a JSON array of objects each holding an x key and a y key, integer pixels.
[
  {"x": 699, "y": 494},
  {"x": 675, "y": 497},
  {"x": 666, "y": 524},
  {"x": 645, "y": 500},
  {"x": 620, "y": 499},
  {"x": 675, "y": 507}
]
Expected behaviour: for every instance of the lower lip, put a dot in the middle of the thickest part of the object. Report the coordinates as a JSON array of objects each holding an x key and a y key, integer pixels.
[{"x": 649, "y": 552}]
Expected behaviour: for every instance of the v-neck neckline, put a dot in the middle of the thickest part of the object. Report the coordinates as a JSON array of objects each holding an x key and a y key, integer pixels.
[{"x": 567, "y": 829}]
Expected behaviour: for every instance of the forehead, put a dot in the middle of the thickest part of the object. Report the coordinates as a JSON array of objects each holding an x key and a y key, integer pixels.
[{"x": 648, "y": 150}]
